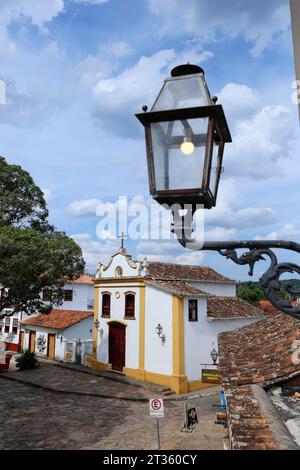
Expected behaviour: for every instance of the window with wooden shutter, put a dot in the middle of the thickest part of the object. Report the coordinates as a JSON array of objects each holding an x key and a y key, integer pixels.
[
  {"x": 106, "y": 305},
  {"x": 193, "y": 310},
  {"x": 129, "y": 305},
  {"x": 68, "y": 295},
  {"x": 15, "y": 326},
  {"x": 6, "y": 325}
]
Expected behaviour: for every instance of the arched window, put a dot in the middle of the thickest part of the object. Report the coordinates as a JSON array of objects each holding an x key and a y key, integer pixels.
[
  {"x": 129, "y": 305},
  {"x": 105, "y": 305}
]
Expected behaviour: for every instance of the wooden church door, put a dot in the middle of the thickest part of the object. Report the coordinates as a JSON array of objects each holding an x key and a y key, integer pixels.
[{"x": 117, "y": 346}]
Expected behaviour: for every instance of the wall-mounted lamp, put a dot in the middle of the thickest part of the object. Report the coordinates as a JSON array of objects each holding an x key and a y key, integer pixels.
[
  {"x": 159, "y": 332},
  {"x": 214, "y": 355},
  {"x": 97, "y": 326}
]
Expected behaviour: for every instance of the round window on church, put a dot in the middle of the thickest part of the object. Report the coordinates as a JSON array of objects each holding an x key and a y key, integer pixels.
[{"x": 119, "y": 271}]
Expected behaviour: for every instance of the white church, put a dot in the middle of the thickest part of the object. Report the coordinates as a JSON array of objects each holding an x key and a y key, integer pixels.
[{"x": 159, "y": 322}]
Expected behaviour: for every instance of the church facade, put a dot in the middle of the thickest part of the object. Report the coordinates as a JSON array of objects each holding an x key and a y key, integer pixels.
[{"x": 158, "y": 322}]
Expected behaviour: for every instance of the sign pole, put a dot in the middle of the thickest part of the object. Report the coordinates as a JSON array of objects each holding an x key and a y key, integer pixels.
[
  {"x": 156, "y": 406},
  {"x": 158, "y": 436}
]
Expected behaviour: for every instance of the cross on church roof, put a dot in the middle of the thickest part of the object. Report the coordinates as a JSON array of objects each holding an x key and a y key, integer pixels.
[{"x": 122, "y": 237}]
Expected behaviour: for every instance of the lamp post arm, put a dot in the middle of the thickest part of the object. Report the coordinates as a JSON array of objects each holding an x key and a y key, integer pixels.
[{"x": 282, "y": 295}]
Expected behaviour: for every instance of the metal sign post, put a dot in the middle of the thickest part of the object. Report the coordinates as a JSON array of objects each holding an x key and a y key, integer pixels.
[
  {"x": 158, "y": 436},
  {"x": 156, "y": 406}
]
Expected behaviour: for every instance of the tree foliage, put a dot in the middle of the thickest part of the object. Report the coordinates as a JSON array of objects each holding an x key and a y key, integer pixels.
[
  {"x": 250, "y": 292},
  {"x": 22, "y": 203},
  {"x": 33, "y": 254}
]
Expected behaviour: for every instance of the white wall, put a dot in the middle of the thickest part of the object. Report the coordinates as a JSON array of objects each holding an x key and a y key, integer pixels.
[
  {"x": 81, "y": 330},
  {"x": 158, "y": 357},
  {"x": 117, "y": 313},
  {"x": 215, "y": 288},
  {"x": 16, "y": 338},
  {"x": 83, "y": 297},
  {"x": 130, "y": 268},
  {"x": 200, "y": 336}
]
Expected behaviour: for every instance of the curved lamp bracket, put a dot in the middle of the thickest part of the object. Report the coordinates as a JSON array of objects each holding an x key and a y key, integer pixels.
[{"x": 282, "y": 296}]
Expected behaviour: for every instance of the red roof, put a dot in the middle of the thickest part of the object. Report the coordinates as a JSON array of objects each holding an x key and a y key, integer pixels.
[
  {"x": 228, "y": 308},
  {"x": 267, "y": 307},
  {"x": 182, "y": 272},
  {"x": 84, "y": 279},
  {"x": 58, "y": 319}
]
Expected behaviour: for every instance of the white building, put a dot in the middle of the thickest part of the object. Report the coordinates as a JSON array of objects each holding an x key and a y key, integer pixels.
[
  {"x": 78, "y": 298},
  {"x": 62, "y": 335},
  {"x": 158, "y": 322}
]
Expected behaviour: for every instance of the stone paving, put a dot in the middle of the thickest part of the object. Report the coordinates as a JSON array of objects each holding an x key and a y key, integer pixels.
[{"x": 33, "y": 418}]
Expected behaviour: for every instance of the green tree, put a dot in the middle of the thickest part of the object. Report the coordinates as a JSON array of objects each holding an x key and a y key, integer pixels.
[
  {"x": 22, "y": 203},
  {"x": 250, "y": 292},
  {"x": 34, "y": 256}
]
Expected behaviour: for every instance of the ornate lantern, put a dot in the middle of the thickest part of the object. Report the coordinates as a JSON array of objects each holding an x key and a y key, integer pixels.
[{"x": 186, "y": 132}]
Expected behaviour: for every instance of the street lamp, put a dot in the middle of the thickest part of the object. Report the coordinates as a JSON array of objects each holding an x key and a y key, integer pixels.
[
  {"x": 186, "y": 132},
  {"x": 214, "y": 355}
]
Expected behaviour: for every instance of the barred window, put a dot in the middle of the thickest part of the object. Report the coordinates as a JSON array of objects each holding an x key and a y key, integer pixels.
[{"x": 68, "y": 295}]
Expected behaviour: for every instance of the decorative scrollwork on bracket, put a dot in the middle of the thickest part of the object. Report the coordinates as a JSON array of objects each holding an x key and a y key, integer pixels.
[{"x": 283, "y": 296}]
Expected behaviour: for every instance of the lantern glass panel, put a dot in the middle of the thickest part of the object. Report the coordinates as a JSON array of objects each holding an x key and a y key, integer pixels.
[
  {"x": 178, "y": 153},
  {"x": 215, "y": 169},
  {"x": 183, "y": 92}
]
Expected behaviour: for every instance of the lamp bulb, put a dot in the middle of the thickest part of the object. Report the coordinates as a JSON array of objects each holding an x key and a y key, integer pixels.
[{"x": 187, "y": 147}]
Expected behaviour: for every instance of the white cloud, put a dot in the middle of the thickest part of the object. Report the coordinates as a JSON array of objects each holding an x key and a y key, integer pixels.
[
  {"x": 84, "y": 208},
  {"x": 118, "y": 98},
  {"x": 258, "y": 22},
  {"x": 117, "y": 49},
  {"x": 95, "y": 252},
  {"x": 261, "y": 142},
  {"x": 91, "y": 2},
  {"x": 39, "y": 13},
  {"x": 230, "y": 216},
  {"x": 239, "y": 101},
  {"x": 287, "y": 232}
]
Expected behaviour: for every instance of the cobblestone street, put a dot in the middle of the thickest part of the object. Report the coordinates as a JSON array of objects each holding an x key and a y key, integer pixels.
[{"x": 32, "y": 418}]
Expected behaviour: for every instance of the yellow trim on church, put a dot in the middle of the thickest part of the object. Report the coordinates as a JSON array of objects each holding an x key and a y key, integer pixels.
[
  {"x": 95, "y": 332},
  {"x": 142, "y": 327},
  {"x": 178, "y": 380}
]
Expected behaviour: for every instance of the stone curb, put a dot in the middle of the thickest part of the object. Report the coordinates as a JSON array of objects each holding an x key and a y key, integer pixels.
[
  {"x": 158, "y": 389},
  {"x": 120, "y": 379},
  {"x": 100, "y": 395}
]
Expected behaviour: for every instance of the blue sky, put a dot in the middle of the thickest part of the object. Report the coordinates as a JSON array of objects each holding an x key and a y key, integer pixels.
[{"x": 76, "y": 71}]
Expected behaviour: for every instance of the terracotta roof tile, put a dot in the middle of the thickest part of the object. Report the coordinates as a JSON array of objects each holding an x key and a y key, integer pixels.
[
  {"x": 84, "y": 279},
  {"x": 179, "y": 288},
  {"x": 58, "y": 319},
  {"x": 248, "y": 422},
  {"x": 251, "y": 358},
  {"x": 219, "y": 308},
  {"x": 263, "y": 352},
  {"x": 185, "y": 272}
]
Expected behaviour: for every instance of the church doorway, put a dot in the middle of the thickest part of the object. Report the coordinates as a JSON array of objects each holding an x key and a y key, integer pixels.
[{"x": 117, "y": 345}]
